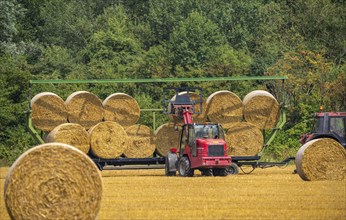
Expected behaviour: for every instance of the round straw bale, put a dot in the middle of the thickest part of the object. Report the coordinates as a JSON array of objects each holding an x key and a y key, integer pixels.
[
  {"x": 244, "y": 139},
  {"x": 121, "y": 108},
  {"x": 72, "y": 134},
  {"x": 53, "y": 181},
  {"x": 107, "y": 139},
  {"x": 198, "y": 118},
  {"x": 166, "y": 138},
  {"x": 48, "y": 111},
  {"x": 140, "y": 142},
  {"x": 321, "y": 159},
  {"x": 224, "y": 107},
  {"x": 261, "y": 109},
  {"x": 84, "y": 108}
]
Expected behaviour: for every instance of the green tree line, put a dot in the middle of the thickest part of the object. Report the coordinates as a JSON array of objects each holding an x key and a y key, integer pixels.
[{"x": 116, "y": 39}]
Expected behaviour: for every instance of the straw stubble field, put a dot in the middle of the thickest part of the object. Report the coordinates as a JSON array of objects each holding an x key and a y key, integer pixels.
[{"x": 273, "y": 193}]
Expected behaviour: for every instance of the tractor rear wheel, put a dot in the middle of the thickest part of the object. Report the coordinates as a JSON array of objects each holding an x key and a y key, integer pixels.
[{"x": 185, "y": 167}]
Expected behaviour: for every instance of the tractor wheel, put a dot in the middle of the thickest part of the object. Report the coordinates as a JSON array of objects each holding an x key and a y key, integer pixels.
[
  {"x": 216, "y": 172},
  {"x": 220, "y": 172},
  {"x": 207, "y": 172},
  {"x": 185, "y": 167},
  {"x": 170, "y": 164},
  {"x": 224, "y": 172},
  {"x": 233, "y": 169}
]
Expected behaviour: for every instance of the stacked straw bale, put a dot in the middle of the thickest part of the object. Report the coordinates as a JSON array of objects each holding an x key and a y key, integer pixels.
[
  {"x": 166, "y": 138},
  {"x": 72, "y": 134},
  {"x": 53, "y": 181},
  {"x": 48, "y": 111},
  {"x": 244, "y": 139},
  {"x": 198, "y": 118},
  {"x": 224, "y": 107},
  {"x": 261, "y": 109},
  {"x": 84, "y": 108},
  {"x": 121, "y": 108},
  {"x": 321, "y": 159},
  {"x": 140, "y": 142},
  {"x": 107, "y": 139}
]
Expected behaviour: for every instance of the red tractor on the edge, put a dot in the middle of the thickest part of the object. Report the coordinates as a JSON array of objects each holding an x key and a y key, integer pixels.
[
  {"x": 328, "y": 125},
  {"x": 202, "y": 146}
]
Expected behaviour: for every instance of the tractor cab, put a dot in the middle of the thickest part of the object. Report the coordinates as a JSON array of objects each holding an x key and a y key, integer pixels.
[
  {"x": 194, "y": 135},
  {"x": 204, "y": 146},
  {"x": 327, "y": 125}
]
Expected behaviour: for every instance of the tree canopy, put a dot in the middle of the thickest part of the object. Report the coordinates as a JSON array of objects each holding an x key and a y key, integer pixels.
[{"x": 114, "y": 39}]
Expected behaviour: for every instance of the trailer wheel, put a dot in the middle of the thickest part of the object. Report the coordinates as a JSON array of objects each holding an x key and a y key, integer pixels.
[
  {"x": 233, "y": 169},
  {"x": 185, "y": 167},
  {"x": 207, "y": 172}
]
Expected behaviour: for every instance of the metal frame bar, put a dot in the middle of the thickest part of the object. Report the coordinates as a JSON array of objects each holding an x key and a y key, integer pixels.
[{"x": 156, "y": 80}]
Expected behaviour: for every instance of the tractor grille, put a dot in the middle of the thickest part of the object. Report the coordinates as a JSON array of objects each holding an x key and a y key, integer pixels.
[{"x": 215, "y": 150}]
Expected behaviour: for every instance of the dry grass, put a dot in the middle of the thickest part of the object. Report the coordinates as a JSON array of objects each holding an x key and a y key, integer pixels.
[{"x": 264, "y": 194}]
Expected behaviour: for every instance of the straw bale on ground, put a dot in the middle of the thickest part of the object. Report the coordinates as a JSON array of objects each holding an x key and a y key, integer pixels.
[
  {"x": 140, "y": 142},
  {"x": 121, "y": 108},
  {"x": 48, "y": 111},
  {"x": 321, "y": 159},
  {"x": 261, "y": 109},
  {"x": 224, "y": 107},
  {"x": 107, "y": 139},
  {"x": 84, "y": 108},
  {"x": 198, "y": 118},
  {"x": 53, "y": 181},
  {"x": 166, "y": 138},
  {"x": 72, "y": 134},
  {"x": 244, "y": 139}
]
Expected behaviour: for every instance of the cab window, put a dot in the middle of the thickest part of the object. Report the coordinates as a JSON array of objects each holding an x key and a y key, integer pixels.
[{"x": 337, "y": 125}]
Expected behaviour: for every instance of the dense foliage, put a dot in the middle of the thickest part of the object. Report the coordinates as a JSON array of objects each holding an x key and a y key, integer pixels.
[{"x": 112, "y": 39}]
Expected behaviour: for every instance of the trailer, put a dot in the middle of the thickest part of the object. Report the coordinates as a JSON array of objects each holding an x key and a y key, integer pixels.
[{"x": 159, "y": 162}]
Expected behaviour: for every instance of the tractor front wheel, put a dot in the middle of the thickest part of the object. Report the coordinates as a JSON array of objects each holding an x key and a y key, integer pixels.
[
  {"x": 220, "y": 172},
  {"x": 185, "y": 167},
  {"x": 206, "y": 172}
]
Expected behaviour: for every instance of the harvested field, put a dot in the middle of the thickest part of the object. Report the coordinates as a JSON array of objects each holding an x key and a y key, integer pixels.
[{"x": 273, "y": 193}]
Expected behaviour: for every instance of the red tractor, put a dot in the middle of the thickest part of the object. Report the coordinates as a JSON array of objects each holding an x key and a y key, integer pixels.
[
  {"x": 202, "y": 146},
  {"x": 328, "y": 125}
]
